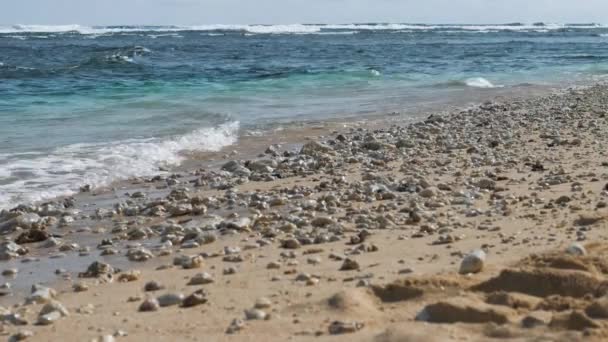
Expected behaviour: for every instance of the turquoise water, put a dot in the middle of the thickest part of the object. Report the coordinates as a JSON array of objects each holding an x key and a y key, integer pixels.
[{"x": 89, "y": 105}]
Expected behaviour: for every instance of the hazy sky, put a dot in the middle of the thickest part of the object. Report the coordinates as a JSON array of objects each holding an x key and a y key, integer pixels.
[{"x": 191, "y": 12}]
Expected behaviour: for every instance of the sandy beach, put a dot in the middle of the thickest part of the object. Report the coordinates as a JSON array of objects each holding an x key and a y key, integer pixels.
[{"x": 475, "y": 225}]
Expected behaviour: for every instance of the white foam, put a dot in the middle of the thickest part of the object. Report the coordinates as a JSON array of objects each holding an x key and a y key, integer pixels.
[
  {"x": 479, "y": 82},
  {"x": 66, "y": 169},
  {"x": 286, "y": 29}
]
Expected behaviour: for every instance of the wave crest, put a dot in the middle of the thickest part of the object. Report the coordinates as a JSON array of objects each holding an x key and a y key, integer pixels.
[
  {"x": 291, "y": 28},
  {"x": 479, "y": 82},
  {"x": 31, "y": 178}
]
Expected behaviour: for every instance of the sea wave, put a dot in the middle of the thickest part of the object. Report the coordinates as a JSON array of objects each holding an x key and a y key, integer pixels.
[
  {"x": 291, "y": 28},
  {"x": 473, "y": 82},
  {"x": 479, "y": 82},
  {"x": 35, "y": 177}
]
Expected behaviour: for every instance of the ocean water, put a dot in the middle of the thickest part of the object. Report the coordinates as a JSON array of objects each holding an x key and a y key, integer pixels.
[{"x": 90, "y": 105}]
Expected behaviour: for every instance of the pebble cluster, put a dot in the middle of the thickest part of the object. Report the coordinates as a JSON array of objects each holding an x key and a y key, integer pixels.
[{"x": 446, "y": 181}]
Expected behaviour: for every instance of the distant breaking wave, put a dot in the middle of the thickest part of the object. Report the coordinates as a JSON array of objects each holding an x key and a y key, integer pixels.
[
  {"x": 479, "y": 82},
  {"x": 290, "y": 29},
  {"x": 472, "y": 82}
]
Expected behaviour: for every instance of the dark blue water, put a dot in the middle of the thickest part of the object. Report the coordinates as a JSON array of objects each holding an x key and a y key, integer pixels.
[{"x": 94, "y": 104}]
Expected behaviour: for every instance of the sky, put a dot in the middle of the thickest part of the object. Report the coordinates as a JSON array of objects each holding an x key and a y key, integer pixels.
[{"x": 200, "y": 12}]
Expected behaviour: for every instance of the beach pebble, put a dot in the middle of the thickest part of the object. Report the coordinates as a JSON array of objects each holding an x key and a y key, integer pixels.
[
  {"x": 54, "y": 305},
  {"x": 262, "y": 303},
  {"x": 80, "y": 287},
  {"x": 473, "y": 262},
  {"x": 10, "y": 250},
  {"x": 41, "y": 294},
  {"x": 149, "y": 304},
  {"x": 341, "y": 327},
  {"x": 486, "y": 183},
  {"x": 194, "y": 299},
  {"x": 273, "y": 265},
  {"x": 230, "y": 270},
  {"x": 49, "y": 318},
  {"x": 10, "y": 272},
  {"x": 349, "y": 265},
  {"x": 290, "y": 244},
  {"x": 313, "y": 148},
  {"x": 201, "y": 279},
  {"x": 153, "y": 285},
  {"x": 235, "y": 326},
  {"x": 193, "y": 262},
  {"x": 22, "y": 335},
  {"x": 139, "y": 254},
  {"x": 255, "y": 314},
  {"x": 576, "y": 249},
  {"x": 105, "y": 338},
  {"x": 129, "y": 276},
  {"x": 170, "y": 299},
  {"x": 97, "y": 269}
]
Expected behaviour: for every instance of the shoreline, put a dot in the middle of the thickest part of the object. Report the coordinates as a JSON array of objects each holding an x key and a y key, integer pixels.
[
  {"x": 250, "y": 140},
  {"x": 316, "y": 231}
]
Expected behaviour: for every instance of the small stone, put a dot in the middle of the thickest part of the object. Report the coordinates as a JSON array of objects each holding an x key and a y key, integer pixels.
[
  {"x": 80, "y": 287},
  {"x": 235, "y": 326},
  {"x": 49, "y": 318},
  {"x": 41, "y": 294},
  {"x": 139, "y": 254},
  {"x": 106, "y": 338},
  {"x": 22, "y": 335},
  {"x": 340, "y": 327},
  {"x": 203, "y": 278},
  {"x": 291, "y": 244},
  {"x": 473, "y": 262},
  {"x": 428, "y": 192},
  {"x": 273, "y": 265},
  {"x": 98, "y": 269},
  {"x": 193, "y": 262},
  {"x": 255, "y": 314},
  {"x": 31, "y": 236},
  {"x": 312, "y": 281},
  {"x": 230, "y": 270},
  {"x": 322, "y": 221},
  {"x": 576, "y": 249},
  {"x": 153, "y": 285},
  {"x": 54, "y": 305},
  {"x": 170, "y": 299},
  {"x": 313, "y": 148},
  {"x": 129, "y": 276},
  {"x": 314, "y": 260},
  {"x": 262, "y": 303},
  {"x": 10, "y": 272},
  {"x": 149, "y": 304},
  {"x": 349, "y": 265},
  {"x": 10, "y": 250},
  {"x": 486, "y": 183},
  {"x": 196, "y": 298}
]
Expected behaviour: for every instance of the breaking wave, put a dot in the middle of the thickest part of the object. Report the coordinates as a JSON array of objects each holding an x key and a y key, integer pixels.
[
  {"x": 291, "y": 28},
  {"x": 32, "y": 177}
]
